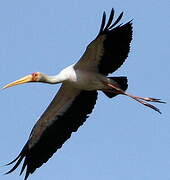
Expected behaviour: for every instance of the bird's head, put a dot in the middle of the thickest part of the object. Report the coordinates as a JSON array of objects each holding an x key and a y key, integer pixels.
[{"x": 34, "y": 77}]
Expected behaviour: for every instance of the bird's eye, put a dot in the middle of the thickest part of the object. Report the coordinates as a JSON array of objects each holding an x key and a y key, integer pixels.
[{"x": 35, "y": 76}]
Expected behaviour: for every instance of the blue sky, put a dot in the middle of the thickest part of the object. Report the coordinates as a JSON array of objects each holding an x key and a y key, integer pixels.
[{"x": 121, "y": 139}]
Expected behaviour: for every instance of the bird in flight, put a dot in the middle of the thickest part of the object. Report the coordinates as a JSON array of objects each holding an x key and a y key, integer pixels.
[{"x": 78, "y": 93}]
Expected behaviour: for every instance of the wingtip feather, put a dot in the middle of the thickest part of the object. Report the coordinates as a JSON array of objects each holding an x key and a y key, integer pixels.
[
  {"x": 109, "y": 24},
  {"x": 20, "y": 158},
  {"x": 117, "y": 20},
  {"x": 103, "y": 22},
  {"x": 110, "y": 19}
]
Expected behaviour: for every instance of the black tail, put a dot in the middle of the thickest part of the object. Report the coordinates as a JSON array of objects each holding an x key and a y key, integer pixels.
[{"x": 123, "y": 84}]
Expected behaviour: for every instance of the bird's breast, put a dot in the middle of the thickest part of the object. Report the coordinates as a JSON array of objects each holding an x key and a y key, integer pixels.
[{"x": 86, "y": 80}]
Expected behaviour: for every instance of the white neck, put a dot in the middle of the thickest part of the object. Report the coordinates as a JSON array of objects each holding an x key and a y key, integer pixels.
[{"x": 59, "y": 78}]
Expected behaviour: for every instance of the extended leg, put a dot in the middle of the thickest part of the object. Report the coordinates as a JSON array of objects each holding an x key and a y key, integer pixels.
[{"x": 137, "y": 98}]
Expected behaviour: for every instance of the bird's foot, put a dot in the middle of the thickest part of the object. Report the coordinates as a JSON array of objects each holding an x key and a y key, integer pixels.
[
  {"x": 151, "y": 99},
  {"x": 138, "y": 98},
  {"x": 143, "y": 99}
]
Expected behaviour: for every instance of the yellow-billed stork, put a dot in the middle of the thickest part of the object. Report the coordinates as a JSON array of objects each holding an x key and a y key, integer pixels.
[{"x": 78, "y": 93}]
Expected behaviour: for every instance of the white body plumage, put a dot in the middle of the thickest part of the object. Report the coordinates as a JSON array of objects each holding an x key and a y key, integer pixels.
[{"x": 82, "y": 79}]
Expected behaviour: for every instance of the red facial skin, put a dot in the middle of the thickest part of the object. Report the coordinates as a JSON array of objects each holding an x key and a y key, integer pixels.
[{"x": 35, "y": 76}]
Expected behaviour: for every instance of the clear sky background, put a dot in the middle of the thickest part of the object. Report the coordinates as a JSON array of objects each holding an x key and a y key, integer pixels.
[{"x": 121, "y": 140}]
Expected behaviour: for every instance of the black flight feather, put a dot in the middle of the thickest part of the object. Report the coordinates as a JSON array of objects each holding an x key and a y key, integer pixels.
[
  {"x": 116, "y": 43},
  {"x": 56, "y": 134}
]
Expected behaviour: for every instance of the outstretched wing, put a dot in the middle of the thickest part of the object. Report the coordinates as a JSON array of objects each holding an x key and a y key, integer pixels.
[
  {"x": 110, "y": 48},
  {"x": 66, "y": 113}
]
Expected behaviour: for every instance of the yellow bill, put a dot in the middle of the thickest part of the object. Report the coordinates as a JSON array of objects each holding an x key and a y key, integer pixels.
[{"x": 25, "y": 79}]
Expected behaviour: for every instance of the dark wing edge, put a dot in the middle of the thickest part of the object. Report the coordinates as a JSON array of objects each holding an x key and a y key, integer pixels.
[
  {"x": 116, "y": 44},
  {"x": 56, "y": 134}
]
